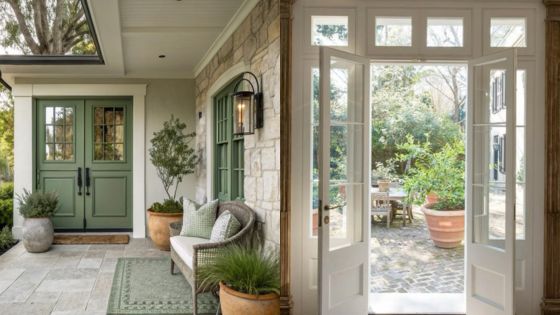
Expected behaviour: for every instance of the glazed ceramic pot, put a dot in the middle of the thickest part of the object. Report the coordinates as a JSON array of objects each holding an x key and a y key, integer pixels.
[
  {"x": 234, "y": 303},
  {"x": 158, "y": 227},
  {"x": 38, "y": 234},
  {"x": 447, "y": 227}
]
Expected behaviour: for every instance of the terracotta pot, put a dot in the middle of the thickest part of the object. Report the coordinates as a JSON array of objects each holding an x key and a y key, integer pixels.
[
  {"x": 235, "y": 303},
  {"x": 447, "y": 227},
  {"x": 383, "y": 185},
  {"x": 158, "y": 227},
  {"x": 432, "y": 198}
]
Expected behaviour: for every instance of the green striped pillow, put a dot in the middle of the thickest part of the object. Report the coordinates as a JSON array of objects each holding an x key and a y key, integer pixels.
[
  {"x": 225, "y": 227},
  {"x": 198, "y": 220}
]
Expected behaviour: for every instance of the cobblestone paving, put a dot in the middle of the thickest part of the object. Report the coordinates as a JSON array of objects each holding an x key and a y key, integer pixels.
[{"x": 405, "y": 260}]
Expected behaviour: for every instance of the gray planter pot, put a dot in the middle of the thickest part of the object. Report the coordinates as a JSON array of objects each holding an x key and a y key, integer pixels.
[{"x": 38, "y": 234}]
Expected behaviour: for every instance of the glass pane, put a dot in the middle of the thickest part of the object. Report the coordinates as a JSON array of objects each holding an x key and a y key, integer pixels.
[
  {"x": 119, "y": 134},
  {"x": 49, "y": 115},
  {"x": 329, "y": 30},
  {"x": 68, "y": 152},
  {"x": 508, "y": 32},
  {"x": 345, "y": 221},
  {"x": 69, "y": 116},
  {"x": 59, "y": 115},
  {"x": 520, "y": 97},
  {"x": 445, "y": 32},
  {"x": 119, "y": 152},
  {"x": 393, "y": 31},
  {"x": 99, "y": 133},
  {"x": 49, "y": 152},
  {"x": 346, "y": 154},
  {"x": 346, "y": 94},
  {"x": 520, "y": 209},
  {"x": 489, "y": 185},
  {"x": 69, "y": 134},
  {"x": 98, "y": 120},
  {"x": 492, "y": 93},
  {"x": 98, "y": 152},
  {"x": 119, "y": 116},
  {"x": 109, "y": 152},
  {"x": 109, "y": 134},
  {"x": 59, "y": 152},
  {"x": 49, "y": 134},
  {"x": 109, "y": 116},
  {"x": 59, "y": 134}
]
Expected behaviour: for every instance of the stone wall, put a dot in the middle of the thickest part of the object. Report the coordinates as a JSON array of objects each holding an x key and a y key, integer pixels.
[{"x": 256, "y": 42}]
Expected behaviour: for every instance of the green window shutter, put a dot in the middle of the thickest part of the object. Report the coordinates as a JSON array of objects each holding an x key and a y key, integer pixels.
[{"x": 229, "y": 149}]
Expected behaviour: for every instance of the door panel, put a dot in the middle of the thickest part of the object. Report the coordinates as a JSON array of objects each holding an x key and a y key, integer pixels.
[
  {"x": 491, "y": 184},
  {"x": 109, "y": 163},
  {"x": 60, "y": 156},
  {"x": 343, "y": 188}
]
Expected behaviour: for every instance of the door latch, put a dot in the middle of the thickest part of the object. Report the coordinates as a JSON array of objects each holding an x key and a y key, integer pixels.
[
  {"x": 88, "y": 181},
  {"x": 79, "y": 181}
]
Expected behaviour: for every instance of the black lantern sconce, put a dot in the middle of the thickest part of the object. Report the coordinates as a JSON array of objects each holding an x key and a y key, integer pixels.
[{"x": 248, "y": 108}]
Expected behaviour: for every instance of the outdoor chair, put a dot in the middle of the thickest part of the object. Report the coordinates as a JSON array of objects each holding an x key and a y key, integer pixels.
[
  {"x": 381, "y": 206},
  {"x": 189, "y": 253}
]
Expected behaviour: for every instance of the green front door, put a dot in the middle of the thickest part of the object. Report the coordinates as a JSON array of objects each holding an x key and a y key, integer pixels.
[{"x": 84, "y": 156}]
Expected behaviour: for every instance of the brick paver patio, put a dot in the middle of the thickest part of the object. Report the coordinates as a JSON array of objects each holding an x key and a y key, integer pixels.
[{"x": 404, "y": 260}]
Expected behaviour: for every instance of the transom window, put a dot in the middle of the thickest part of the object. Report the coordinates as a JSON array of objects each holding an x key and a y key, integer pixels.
[
  {"x": 109, "y": 138},
  {"x": 329, "y": 30},
  {"x": 444, "y": 32},
  {"x": 59, "y": 133},
  {"x": 393, "y": 31},
  {"x": 508, "y": 32}
]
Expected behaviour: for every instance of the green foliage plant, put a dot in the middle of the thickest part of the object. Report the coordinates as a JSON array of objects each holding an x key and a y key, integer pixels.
[
  {"x": 6, "y": 204},
  {"x": 385, "y": 171},
  {"x": 37, "y": 204},
  {"x": 168, "y": 206},
  {"x": 173, "y": 157},
  {"x": 246, "y": 269},
  {"x": 441, "y": 172},
  {"x": 6, "y": 239}
]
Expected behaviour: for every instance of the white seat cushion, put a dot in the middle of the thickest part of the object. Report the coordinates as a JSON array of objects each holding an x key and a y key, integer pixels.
[{"x": 183, "y": 246}]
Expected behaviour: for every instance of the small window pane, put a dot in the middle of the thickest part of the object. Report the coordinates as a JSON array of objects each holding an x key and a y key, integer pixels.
[
  {"x": 119, "y": 134},
  {"x": 49, "y": 134},
  {"x": 508, "y": 32},
  {"x": 109, "y": 117},
  {"x": 98, "y": 152},
  {"x": 59, "y": 115},
  {"x": 393, "y": 31},
  {"x": 445, "y": 32},
  {"x": 59, "y": 134},
  {"x": 69, "y": 134},
  {"x": 59, "y": 152},
  {"x": 49, "y": 152},
  {"x": 329, "y": 30},
  {"x": 68, "y": 152},
  {"x": 119, "y": 152},
  {"x": 98, "y": 120},
  {"x": 69, "y": 116},
  {"x": 109, "y": 134},
  {"x": 49, "y": 115},
  {"x": 119, "y": 116}
]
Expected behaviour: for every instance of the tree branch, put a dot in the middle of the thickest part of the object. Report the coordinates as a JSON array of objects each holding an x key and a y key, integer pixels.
[{"x": 23, "y": 27}]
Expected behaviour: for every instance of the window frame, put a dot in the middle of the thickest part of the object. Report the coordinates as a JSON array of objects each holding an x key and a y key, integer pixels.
[
  {"x": 465, "y": 50},
  {"x": 530, "y": 29},
  {"x": 349, "y": 13},
  {"x": 388, "y": 51}
]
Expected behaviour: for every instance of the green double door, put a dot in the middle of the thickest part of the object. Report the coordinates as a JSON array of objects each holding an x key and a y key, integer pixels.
[{"x": 84, "y": 155}]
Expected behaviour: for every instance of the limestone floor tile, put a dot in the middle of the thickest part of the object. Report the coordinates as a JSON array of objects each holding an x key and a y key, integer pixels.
[
  {"x": 114, "y": 253},
  {"x": 98, "y": 304},
  {"x": 95, "y": 254},
  {"x": 109, "y": 265},
  {"x": 90, "y": 263},
  {"x": 107, "y": 247},
  {"x": 23, "y": 287},
  {"x": 67, "y": 262},
  {"x": 102, "y": 286},
  {"x": 44, "y": 297},
  {"x": 66, "y": 285},
  {"x": 27, "y": 308},
  {"x": 70, "y": 248},
  {"x": 72, "y": 273},
  {"x": 71, "y": 302}
]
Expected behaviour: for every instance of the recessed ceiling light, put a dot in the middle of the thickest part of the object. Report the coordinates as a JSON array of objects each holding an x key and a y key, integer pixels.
[{"x": 161, "y": 56}]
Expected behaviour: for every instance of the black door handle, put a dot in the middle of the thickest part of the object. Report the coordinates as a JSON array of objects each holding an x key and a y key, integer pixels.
[
  {"x": 79, "y": 181},
  {"x": 88, "y": 181}
]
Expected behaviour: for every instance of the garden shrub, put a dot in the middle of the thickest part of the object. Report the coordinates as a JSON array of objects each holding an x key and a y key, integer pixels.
[
  {"x": 6, "y": 239},
  {"x": 6, "y": 204}
]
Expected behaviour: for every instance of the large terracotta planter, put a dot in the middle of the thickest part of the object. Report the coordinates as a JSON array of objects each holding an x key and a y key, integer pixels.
[
  {"x": 38, "y": 234},
  {"x": 447, "y": 227},
  {"x": 383, "y": 185},
  {"x": 158, "y": 227},
  {"x": 235, "y": 303},
  {"x": 431, "y": 198}
]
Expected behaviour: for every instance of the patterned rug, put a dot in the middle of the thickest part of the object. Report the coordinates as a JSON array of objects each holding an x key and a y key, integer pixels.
[{"x": 146, "y": 286}]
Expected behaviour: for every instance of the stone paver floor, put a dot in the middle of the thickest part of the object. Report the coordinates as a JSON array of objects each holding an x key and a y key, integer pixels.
[
  {"x": 68, "y": 279},
  {"x": 405, "y": 260}
]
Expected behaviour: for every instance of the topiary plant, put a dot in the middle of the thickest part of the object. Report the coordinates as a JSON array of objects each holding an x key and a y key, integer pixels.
[
  {"x": 37, "y": 204},
  {"x": 173, "y": 158}
]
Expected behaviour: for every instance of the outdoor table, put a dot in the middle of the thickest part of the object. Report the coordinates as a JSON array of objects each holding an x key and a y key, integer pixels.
[{"x": 396, "y": 194}]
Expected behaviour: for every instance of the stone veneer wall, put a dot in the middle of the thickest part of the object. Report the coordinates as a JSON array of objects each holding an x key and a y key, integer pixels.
[{"x": 256, "y": 42}]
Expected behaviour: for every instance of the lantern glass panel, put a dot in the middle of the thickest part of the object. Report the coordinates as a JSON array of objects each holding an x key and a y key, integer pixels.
[{"x": 243, "y": 115}]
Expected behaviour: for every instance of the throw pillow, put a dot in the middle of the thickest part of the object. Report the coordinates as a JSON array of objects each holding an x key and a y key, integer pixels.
[
  {"x": 225, "y": 227},
  {"x": 198, "y": 220}
]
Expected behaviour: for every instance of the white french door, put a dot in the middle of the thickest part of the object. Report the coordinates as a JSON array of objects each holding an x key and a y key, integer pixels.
[
  {"x": 491, "y": 184},
  {"x": 344, "y": 150}
]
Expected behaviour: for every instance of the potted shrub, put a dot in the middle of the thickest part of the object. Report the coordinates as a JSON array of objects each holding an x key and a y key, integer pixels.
[
  {"x": 173, "y": 157},
  {"x": 248, "y": 278},
  {"x": 442, "y": 173},
  {"x": 384, "y": 174},
  {"x": 37, "y": 208}
]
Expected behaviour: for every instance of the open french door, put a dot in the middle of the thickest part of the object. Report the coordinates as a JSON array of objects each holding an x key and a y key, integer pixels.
[
  {"x": 490, "y": 243},
  {"x": 344, "y": 183}
]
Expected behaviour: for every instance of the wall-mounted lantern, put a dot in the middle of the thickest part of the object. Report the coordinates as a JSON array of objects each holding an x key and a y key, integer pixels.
[{"x": 248, "y": 108}]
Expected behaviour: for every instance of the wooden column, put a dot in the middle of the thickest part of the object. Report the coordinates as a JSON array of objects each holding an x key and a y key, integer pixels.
[
  {"x": 285, "y": 151},
  {"x": 551, "y": 298}
]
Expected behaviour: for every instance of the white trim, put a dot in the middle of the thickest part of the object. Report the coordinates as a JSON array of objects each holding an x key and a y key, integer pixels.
[
  {"x": 236, "y": 20},
  {"x": 23, "y": 139},
  {"x": 214, "y": 89}
]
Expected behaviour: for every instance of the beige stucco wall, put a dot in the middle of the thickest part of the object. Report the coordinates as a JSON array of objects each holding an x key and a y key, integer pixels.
[{"x": 256, "y": 42}]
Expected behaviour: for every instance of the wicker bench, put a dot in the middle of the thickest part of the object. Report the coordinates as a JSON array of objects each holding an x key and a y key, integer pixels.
[{"x": 187, "y": 253}]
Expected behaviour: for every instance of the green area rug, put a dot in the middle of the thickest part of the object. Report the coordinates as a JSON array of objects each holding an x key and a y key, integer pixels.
[{"x": 143, "y": 286}]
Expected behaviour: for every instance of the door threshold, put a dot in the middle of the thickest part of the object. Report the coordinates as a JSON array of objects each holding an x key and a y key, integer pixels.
[{"x": 417, "y": 303}]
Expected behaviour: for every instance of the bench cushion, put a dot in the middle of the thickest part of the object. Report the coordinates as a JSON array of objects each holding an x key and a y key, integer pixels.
[{"x": 183, "y": 246}]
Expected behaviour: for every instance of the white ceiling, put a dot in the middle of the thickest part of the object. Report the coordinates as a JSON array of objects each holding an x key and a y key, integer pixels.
[{"x": 133, "y": 33}]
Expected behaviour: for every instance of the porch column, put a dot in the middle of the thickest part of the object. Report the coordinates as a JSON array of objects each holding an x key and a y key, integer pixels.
[
  {"x": 23, "y": 148},
  {"x": 551, "y": 298}
]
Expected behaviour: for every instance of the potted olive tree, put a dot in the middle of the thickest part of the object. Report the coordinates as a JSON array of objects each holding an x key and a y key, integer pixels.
[
  {"x": 384, "y": 173},
  {"x": 37, "y": 208},
  {"x": 248, "y": 278},
  {"x": 442, "y": 173},
  {"x": 173, "y": 157}
]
